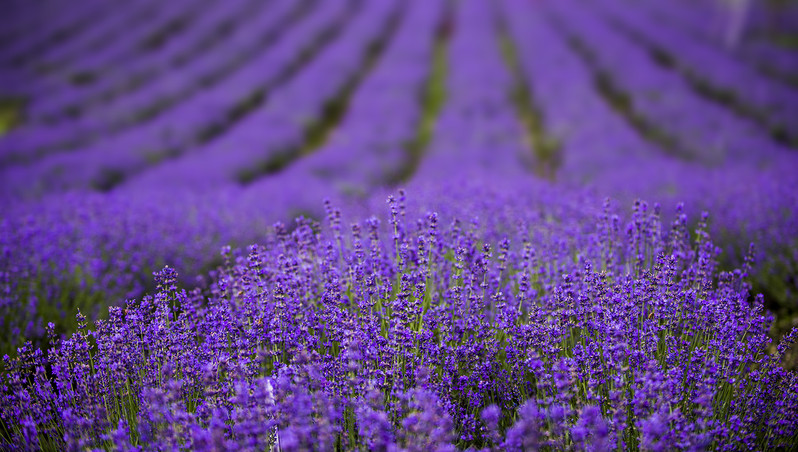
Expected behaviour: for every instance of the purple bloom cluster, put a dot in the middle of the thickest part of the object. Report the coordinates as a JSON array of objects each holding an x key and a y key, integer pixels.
[{"x": 549, "y": 327}]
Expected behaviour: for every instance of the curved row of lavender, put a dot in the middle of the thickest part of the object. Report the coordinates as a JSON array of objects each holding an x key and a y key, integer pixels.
[
  {"x": 766, "y": 57},
  {"x": 501, "y": 306},
  {"x": 764, "y": 99},
  {"x": 197, "y": 73},
  {"x": 538, "y": 322}
]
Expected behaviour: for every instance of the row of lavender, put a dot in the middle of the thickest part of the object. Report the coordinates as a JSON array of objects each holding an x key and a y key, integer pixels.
[{"x": 508, "y": 321}]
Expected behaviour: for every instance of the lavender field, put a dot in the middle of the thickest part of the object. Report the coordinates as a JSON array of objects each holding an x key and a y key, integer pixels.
[{"x": 399, "y": 225}]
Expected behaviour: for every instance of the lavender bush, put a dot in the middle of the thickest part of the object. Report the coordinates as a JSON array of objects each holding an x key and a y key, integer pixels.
[{"x": 544, "y": 329}]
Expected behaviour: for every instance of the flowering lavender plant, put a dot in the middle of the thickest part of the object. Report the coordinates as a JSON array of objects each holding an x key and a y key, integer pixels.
[{"x": 434, "y": 334}]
